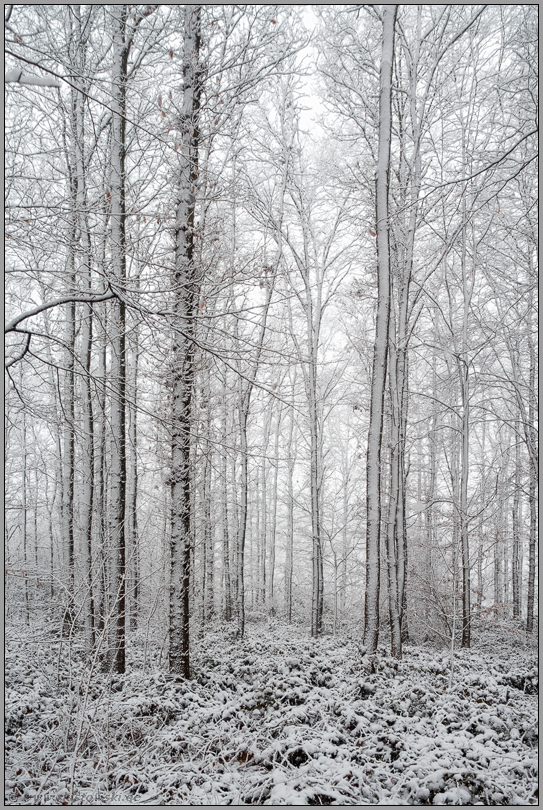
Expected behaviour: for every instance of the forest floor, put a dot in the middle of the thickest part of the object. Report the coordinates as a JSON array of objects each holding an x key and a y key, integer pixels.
[{"x": 277, "y": 719}]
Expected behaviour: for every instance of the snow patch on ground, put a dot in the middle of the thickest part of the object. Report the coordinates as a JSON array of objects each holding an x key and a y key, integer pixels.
[{"x": 276, "y": 719}]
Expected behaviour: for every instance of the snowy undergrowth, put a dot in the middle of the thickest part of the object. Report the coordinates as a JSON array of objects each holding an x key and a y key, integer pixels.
[{"x": 277, "y": 719}]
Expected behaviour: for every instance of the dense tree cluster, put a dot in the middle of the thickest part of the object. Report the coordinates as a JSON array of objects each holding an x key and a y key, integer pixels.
[{"x": 271, "y": 340}]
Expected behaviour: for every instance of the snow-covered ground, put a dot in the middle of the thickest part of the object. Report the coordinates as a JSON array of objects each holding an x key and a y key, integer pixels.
[{"x": 277, "y": 719}]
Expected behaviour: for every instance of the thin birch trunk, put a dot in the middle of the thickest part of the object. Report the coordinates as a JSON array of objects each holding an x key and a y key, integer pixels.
[{"x": 373, "y": 531}]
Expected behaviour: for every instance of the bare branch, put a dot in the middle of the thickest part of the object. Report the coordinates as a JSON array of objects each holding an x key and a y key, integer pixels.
[{"x": 11, "y": 326}]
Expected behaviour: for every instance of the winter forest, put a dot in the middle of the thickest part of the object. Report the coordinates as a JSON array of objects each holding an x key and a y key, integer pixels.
[{"x": 271, "y": 404}]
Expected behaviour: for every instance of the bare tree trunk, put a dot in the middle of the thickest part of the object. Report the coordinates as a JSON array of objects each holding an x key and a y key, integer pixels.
[
  {"x": 344, "y": 552},
  {"x": 209, "y": 547},
  {"x": 373, "y": 531},
  {"x": 533, "y": 479},
  {"x": 101, "y": 491},
  {"x": 498, "y": 559},
  {"x": 289, "y": 552},
  {"x": 318, "y": 583},
  {"x": 463, "y": 371},
  {"x": 78, "y": 107},
  {"x": 515, "y": 562},
  {"x": 133, "y": 510},
  {"x": 391, "y": 528},
  {"x": 24, "y": 513},
  {"x": 117, "y": 517},
  {"x": 273, "y": 528},
  {"x": 68, "y": 474},
  {"x": 227, "y": 561},
  {"x": 242, "y": 530},
  {"x": 186, "y": 286}
]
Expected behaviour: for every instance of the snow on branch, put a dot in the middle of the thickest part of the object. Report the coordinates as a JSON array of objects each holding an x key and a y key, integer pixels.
[
  {"x": 18, "y": 76},
  {"x": 11, "y": 326}
]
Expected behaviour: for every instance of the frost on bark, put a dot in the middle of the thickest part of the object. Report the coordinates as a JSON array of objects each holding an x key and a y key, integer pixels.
[
  {"x": 531, "y": 441},
  {"x": 289, "y": 552},
  {"x": 68, "y": 404},
  {"x": 117, "y": 528},
  {"x": 87, "y": 343},
  {"x": 186, "y": 285},
  {"x": 373, "y": 530}
]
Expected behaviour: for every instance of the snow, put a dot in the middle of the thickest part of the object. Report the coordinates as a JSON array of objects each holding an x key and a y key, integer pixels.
[{"x": 276, "y": 719}]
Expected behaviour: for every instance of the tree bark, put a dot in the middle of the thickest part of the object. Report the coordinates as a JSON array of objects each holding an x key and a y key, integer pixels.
[
  {"x": 78, "y": 108},
  {"x": 186, "y": 287},
  {"x": 289, "y": 552},
  {"x": 380, "y": 353},
  {"x": 117, "y": 515}
]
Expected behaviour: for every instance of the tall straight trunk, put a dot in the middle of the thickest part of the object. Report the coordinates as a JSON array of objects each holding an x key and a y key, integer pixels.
[
  {"x": 531, "y": 440},
  {"x": 273, "y": 527},
  {"x": 401, "y": 400},
  {"x": 463, "y": 370},
  {"x": 532, "y": 486},
  {"x": 242, "y": 527},
  {"x": 344, "y": 553},
  {"x": 429, "y": 512},
  {"x": 481, "y": 533},
  {"x": 68, "y": 396},
  {"x": 313, "y": 310},
  {"x": 50, "y": 513},
  {"x": 58, "y": 478},
  {"x": 117, "y": 515},
  {"x": 186, "y": 289},
  {"x": 380, "y": 353},
  {"x": 209, "y": 546},
  {"x": 464, "y": 524},
  {"x": 78, "y": 107},
  {"x": 315, "y": 470},
  {"x": 391, "y": 528},
  {"x": 35, "y": 528},
  {"x": 134, "y": 481},
  {"x": 227, "y": 561},
  {"x": 506, "y": 558},
  {"x": 235, "y": 512},
  {"x": 289, "y": 552},
  {"x": 68, "y": 472},
  {"x": 498, "y": 560},
  {"x": 515, "y": 562},
  {"x": 262, "y": 530},
  {"x": 24, "y": 513},
  {"x": 101, "y": 489},
  {"x": 410, "y": 169}
]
